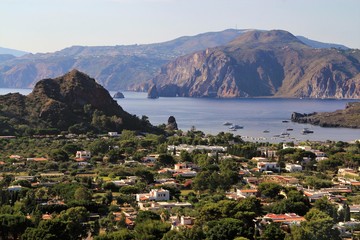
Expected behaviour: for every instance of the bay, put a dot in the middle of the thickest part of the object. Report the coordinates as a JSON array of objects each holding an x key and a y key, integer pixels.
[{"x": 255, "y": 114}]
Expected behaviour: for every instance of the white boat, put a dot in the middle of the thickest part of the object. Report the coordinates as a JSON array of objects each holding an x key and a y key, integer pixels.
[
  {"x": 306, "y": 131},
  {"x": 236, "y": 127}
]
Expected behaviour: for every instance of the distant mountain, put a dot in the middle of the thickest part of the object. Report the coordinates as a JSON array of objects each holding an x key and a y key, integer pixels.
[
  {"x": 16, "y": 53},
  {"x": 263, "y": 63},
  {"x": 115, "y": 67},
  {"x": 73, "y": 102}
]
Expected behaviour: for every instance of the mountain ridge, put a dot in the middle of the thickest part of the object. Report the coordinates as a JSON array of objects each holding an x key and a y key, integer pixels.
[
  {"x": 263, "y": 63},
  {"x": 122, "y": 67}
]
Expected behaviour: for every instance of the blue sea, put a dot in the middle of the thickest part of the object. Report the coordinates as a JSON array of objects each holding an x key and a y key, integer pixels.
[{"x": 256, "y": 115}]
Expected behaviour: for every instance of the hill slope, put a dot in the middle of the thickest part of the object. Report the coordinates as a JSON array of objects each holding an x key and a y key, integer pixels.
[
  {"x": 73, "y": 102},
  {"x": 263, "y": 63}
]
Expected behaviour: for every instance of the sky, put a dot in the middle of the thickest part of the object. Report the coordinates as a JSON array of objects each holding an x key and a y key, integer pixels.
[{"x": 51, "y": 25}]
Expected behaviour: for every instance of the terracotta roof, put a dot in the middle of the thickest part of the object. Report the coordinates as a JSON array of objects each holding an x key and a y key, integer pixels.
[
  {"x": 46, "y": 217},
  {"x": 287, "y": 217},
  {"x": 248, "y": 190}
]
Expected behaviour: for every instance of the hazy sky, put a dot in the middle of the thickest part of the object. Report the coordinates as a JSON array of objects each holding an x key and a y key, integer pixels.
[{"x": 51, "y": 25}]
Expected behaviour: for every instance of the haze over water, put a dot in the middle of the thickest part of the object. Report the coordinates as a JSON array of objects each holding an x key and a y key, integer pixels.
[{"x": 255, "y": 114}]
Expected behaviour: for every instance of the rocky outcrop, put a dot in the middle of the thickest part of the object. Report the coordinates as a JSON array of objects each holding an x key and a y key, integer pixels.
[
  {"x": 263, "y": 63},
  {"x": 73, "y": 102},
  {"x": 153, "y": 92},
  {"x": 349, "y": 117},
  {"x": 171, "y": 124},
  {"x": 118, "y": 95}
]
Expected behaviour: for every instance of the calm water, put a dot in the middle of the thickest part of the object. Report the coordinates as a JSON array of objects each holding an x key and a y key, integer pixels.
[{"x": 256, "y": 115}]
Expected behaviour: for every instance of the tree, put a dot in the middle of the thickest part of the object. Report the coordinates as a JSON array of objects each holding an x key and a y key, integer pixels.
[
  {"x": 324, "y": 205},
  {"x": 166, "y": 160},
  {"x": 319, "y": 226},
  {"x": 145, "y": 175},
  {"x": 82, "y": 194},
  {"x": 228, "y": 228},
  {"x": 272, "y": 231},
  {"x": 123, "y": 234},
  {"x": 151, "y": 230},
  {"x": 12, "y": 226},
  {"x": 269, "y": 189},
  {"x": 146, "y": 215},
  {"x": 59, "y": 155}
]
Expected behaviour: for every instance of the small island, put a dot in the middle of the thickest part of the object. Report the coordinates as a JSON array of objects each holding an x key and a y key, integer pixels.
[
  {"x": 347, "y": 118},
  {"x": 119, "y": 95}
]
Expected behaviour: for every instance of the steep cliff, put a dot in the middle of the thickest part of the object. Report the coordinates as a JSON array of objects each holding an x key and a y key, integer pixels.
[{"x": 263, "y": 63}]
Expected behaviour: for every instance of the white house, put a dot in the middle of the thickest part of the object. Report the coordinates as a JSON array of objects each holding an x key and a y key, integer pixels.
[
  {"x": 113, "y": 134},
  {"x": 245, "y": 193},
  {"x": 293, "y": 167},
  {"x": 83, "y": 154},
  {"x": 268, "y": 166},
  {"x": 155, "y": 195}
]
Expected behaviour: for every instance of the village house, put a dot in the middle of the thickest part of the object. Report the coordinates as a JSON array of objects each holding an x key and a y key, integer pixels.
[
  {"x": 268, "y": 166},
  {"x": 191, "y": 148},
  {"x": 82, "y": 155},
  {"x": 293, "y": 167},
  {"x": 154, "y": 206},
  {"x": 347, "y": 171},
  {"x": 265, "y": 151},
  {"x": 14, "y": 188},
  {"x": 287, "y": 218},
  {"x": 154, "y": 195},
  {"x": 113, "y": 134},
  {"x": 178, "y": 222},
  {"x": 260, "y": 159},
  {"x": 245, "y": 193}
]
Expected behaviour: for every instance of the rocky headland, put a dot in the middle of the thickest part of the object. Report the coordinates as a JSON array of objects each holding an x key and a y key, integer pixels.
[{"x": 348, "y": 117}]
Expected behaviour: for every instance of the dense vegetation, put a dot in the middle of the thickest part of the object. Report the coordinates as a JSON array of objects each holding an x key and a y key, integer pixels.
[{"x": 85, "y": 200}]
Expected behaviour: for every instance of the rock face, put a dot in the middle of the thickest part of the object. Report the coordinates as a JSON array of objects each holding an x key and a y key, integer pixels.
[
  {"x": 119, "y": 95},
  {"x": 171, "y": 125},
  {"x": 153, "y": 92},
  {"x": 349, "y": 117},
  {"x": 70, "y": 102},
  {"x": 263, "y": 63}
]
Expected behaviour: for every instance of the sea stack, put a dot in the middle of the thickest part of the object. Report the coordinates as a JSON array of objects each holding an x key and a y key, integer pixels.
[
  {"x": 171, "y": 125},
  {"x": 153, "y": 92},
  {"x": 119, "y": 95}
]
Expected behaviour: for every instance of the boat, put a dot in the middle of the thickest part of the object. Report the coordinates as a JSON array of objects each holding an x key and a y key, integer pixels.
[
  {"x": 306, "y": 131},
  {"x": 285, "y": 121},
  {"x": 285, "y": 134},
  {"x": 227, "y": 123},
  {"x": 289, "y": 129},
  {"x": 266, "y": 131},
  {"x": 236, "y": 127}
]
